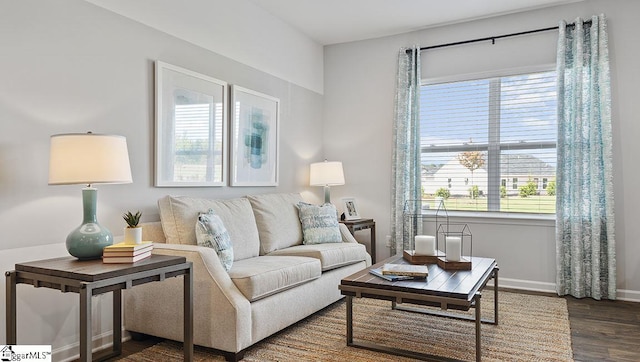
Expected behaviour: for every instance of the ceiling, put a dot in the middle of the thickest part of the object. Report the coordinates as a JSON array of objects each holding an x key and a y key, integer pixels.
[
  {"x": 221, "y": 26},
  {"x": 339, "y": 21}
]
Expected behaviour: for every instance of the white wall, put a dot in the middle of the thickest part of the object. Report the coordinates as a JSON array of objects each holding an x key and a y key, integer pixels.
[
  {"x": 239, "y": 29},
  {"x": 70, "y": 66},
  {"x": 358, "y": 117}
]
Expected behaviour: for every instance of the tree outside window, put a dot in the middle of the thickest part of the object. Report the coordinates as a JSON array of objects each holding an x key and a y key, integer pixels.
[{"x": 472, "y": 160}]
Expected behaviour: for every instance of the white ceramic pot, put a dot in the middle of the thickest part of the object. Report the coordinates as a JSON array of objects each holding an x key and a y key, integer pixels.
[{"x": 133, "y": 235}]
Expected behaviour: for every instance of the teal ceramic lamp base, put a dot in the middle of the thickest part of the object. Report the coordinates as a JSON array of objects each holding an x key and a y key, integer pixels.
[
  {"x": 327, "y": 194},
  {"x": 88, "y": 240}
]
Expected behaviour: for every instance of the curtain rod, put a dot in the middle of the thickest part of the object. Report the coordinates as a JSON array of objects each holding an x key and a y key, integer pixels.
[{"x": 493, "y": 38}]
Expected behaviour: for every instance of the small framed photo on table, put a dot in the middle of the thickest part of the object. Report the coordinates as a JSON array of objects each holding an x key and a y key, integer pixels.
[{"x": 350, "y": 208}]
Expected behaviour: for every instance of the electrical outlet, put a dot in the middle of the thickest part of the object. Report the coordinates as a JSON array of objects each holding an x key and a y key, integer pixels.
[{"x": 388, "y": 241}]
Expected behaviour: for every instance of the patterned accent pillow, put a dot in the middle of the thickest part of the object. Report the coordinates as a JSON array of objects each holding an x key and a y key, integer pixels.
[
  {"x": 319, "y": 223},
  {"x": 210, "y": 232}
]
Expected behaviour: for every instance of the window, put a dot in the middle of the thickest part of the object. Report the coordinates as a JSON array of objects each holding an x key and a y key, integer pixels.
[{"x": 488, "y": 131}]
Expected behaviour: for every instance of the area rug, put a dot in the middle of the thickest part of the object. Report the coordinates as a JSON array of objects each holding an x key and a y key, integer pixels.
[{"x": 531, "y": 328}]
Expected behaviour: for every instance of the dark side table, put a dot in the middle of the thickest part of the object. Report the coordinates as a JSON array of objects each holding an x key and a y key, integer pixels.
[
  {"x": 92, "y": 277},
  {"x": 362, "y": 224}
]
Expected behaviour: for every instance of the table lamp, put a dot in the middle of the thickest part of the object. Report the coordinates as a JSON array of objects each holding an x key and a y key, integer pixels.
[
  {"x": 326, "y": 174},
  {"x": 88, "y": 158}
]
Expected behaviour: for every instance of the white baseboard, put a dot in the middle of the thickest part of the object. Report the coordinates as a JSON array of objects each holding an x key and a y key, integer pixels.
[
  {"x": 628, "y": 295},
  {"x": 71, "y": 352},
  {"x": 527, "y": 285},
  {"x": 622, "y": 294}
]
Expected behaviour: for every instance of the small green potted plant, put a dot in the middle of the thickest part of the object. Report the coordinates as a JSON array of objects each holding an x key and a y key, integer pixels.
[{"x": 133, "y": 232}]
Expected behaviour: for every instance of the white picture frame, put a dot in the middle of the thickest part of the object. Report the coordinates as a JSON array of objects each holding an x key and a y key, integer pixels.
[
  {"x": 190, "y": 128},
  {"x": 350, "y": 208},
  {"x": 255, "y": 138}
]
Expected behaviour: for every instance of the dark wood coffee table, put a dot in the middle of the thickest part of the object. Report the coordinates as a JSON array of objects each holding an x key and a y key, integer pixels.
[{"x": 445, "y": 289}]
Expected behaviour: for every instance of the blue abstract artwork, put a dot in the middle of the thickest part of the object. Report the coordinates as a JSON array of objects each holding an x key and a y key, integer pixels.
[{"x": 256, "y": 139}]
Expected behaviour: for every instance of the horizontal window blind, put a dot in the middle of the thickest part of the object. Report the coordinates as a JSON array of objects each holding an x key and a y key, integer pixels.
[
  {"x": 490, "y": 144},
  {"x": 194, "y": 153}
]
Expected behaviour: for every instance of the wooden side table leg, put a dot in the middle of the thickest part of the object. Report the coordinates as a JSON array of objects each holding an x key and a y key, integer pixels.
[
  {"x": 86, "y": 342},
  {"x": 11, "y": 307},
  {"x": 373, "y": 243},
  {"x": 188, "y": 314},
  {"x": 117, "y": 321}
]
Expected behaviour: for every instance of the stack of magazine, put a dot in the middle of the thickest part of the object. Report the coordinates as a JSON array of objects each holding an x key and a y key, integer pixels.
[{"x": 396, "y": 272}]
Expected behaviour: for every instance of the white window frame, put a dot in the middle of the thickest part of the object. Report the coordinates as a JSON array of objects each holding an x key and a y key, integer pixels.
[{"x": 493, "y": 177}]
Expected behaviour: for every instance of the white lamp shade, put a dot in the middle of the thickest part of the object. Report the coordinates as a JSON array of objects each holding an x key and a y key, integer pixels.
[
  {"x": 87, "y": 158},
  {"x": 326, "y": 174}
]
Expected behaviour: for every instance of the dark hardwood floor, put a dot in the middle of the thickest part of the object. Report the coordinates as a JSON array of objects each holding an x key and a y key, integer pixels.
[
  {"x": 604, "y": 330},
  {"x": 600, "y": 331}
]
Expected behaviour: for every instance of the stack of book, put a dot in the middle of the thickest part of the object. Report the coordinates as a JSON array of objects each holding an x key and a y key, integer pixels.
[{"x": 126, "y": 253}]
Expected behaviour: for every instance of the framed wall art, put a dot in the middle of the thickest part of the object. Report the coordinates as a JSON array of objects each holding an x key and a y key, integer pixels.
[
  {"x": 190, "y": 128},
  {"x": 254, "y": 138}
]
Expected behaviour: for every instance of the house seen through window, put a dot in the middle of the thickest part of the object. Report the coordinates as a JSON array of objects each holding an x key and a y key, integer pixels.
[{"x": 487, "y": 143}]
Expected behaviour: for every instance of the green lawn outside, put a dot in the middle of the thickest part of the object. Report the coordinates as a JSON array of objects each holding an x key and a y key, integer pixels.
[{"x": 531, "y": 204}]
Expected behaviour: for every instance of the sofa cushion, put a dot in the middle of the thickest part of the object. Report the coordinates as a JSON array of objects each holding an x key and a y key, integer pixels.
[
  {"x": 277, "y": 220},
  {"x": 263, "y": 276},
  {"x": 211, "y": 233},
  {"x": 331, "y": 256},
  {"x": 319, "y": 223},
  {"x": 179, "y": 214}
]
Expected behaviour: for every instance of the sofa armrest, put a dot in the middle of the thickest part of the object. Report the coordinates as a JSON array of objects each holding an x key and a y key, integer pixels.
[
  {"x": 346, "y": 235},
  {"x": 222, "y": 313},
  {"x": 348, "y": 238},
  {"x": 213, "y": 269}
]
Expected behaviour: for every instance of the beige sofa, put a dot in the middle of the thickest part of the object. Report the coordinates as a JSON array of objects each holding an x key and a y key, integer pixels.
[{"x": 275, "y": 279}]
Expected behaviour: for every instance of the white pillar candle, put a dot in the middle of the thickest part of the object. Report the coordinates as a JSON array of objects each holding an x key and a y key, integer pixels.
[
  {"x": 425, "y": 245},
  {"x": 453, "y": 248}
]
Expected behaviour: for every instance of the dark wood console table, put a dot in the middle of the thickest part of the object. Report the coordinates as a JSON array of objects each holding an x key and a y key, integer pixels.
[{"x": 89, "y": 278}]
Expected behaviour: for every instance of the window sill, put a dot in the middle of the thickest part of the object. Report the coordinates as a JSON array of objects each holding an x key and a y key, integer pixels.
[{"x": 548, "y": 220}]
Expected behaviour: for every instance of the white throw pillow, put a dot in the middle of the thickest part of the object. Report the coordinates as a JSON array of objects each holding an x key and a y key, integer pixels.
[
  {"x": 211, "y": 233},
  {"x": 319, "y": 223}
]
